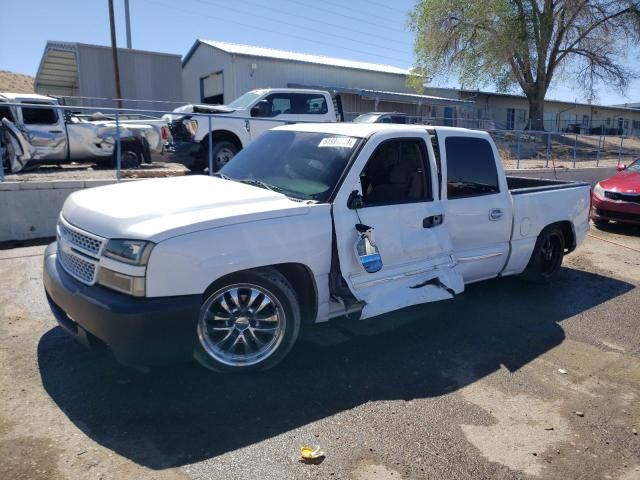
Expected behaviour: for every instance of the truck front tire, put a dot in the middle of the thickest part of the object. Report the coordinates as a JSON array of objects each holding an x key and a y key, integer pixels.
[
  {"x": 546, "y": 258},
  {"x": 248, "y": 322},
  {"x": 223, "y": 151}
]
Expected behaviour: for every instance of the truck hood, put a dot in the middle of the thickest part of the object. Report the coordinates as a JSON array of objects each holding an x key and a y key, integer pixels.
[
  {"x": 185, "y": 110},
  {"x": 163, "y": 208}
]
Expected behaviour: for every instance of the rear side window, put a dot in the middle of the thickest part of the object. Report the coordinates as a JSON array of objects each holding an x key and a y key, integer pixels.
[
  {"x": 39, "y": 116},
  {"x": 5, "y": 112},
  {"x": 471, "y": 167}
]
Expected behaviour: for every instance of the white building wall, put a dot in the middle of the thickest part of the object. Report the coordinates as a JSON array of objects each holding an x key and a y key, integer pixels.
[{"x": 204, "y": 61}]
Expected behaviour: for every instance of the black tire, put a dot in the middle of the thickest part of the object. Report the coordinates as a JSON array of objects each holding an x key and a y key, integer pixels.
[
  {"x": 285, "y": 306},
  {"x": 223, "y": 151},
  {"x": 129, "y": 159},
  {"x": 546, "y": 258}
]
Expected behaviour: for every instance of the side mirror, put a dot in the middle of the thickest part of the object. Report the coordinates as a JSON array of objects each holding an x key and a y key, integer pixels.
[
  {"x": 366, "y": 250},
  {"x": 355, "y": 201},
  {"x": 261, "y": 109},
  {"x": 620, "y": 167}
]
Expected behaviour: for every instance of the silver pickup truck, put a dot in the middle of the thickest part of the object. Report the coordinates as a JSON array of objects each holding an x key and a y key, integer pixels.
[{"x": 33, "y": 134}]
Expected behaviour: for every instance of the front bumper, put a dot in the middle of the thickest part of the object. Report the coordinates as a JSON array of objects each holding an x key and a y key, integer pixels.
[
  {"x": 139, "y": 331},
  {"x": 185, "y": 152},
  {"x": 617, "y": 211}
]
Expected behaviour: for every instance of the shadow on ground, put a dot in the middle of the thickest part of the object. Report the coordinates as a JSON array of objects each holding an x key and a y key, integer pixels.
[{"x": 184, "y": 414}]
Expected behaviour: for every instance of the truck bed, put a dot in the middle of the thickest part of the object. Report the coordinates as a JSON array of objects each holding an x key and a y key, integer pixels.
[{"x": 521, "y": 185}]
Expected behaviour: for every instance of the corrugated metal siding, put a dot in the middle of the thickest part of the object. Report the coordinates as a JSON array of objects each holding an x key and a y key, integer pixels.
[
  {"x": 143, "y": 76},
  {"x": 205, "y": 61},
  {"x": 279, "y": 73}
]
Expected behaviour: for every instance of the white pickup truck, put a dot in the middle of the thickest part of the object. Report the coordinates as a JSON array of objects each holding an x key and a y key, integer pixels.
[
  {"x": 235, "y": 125},
  {"x": 309, "y": 222},
  {"x": 34, "y": 131}
]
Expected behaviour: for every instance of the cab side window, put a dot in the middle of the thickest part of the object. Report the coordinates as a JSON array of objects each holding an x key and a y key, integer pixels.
[
  {"x": 39, "y": 116},
  {"x": 471, "y": 168},
  {"x": 5, "y": 112},
  {"x": 396, "y": 173}
]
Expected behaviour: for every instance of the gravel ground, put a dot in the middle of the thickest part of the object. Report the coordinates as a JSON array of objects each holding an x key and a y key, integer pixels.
[{"x": 468, "y": 388}]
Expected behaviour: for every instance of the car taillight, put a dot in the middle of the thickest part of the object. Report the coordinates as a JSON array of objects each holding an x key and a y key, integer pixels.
[{"x": 164, "y": 133}]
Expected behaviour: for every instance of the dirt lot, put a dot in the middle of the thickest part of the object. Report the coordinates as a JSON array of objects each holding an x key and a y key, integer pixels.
[{"x": 468, "y": 388}]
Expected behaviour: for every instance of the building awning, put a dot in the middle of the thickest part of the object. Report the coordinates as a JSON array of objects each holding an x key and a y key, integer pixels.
[
  {"x": 58, "y": 70},
  {"x": 401, "y": 97}
]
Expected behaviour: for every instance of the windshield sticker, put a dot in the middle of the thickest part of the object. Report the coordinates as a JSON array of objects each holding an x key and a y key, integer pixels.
[{"x": 344, "y": 142}]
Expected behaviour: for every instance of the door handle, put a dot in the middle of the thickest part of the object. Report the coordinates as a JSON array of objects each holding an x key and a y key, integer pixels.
[
  {"x": 495, "y": 214},
  {"x": 432, "y": 221},
  {"x": 55, "y": 131}
]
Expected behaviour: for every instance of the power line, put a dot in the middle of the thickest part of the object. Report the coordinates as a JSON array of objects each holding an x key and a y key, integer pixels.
[
  {"x": 254, "y": 27},
  {"x": 303, "y": 17},
  {"x": 333, "y": 12},
  {"x": 384, "y": 6},
  {"x": 358, "y": 11},
  {"x": 307, "y": 28}
]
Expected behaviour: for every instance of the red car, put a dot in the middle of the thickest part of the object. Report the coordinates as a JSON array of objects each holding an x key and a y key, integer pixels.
[{"x": 618, "y": 198}]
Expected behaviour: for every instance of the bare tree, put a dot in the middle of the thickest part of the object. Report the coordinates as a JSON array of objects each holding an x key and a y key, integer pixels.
[{"x": 526, "y": 43}]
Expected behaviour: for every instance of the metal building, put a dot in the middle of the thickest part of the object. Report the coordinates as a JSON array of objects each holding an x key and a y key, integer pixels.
[
  {"x": 218, "y": 72},
  {"x": 84, "y": 74}
]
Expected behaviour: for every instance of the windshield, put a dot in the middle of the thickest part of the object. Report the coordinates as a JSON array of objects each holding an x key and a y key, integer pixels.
[
  {"x": 304, "y": 165},
  {"x": 366, "y": 118},
  {"x": 243, "y": 101},
  {"x": 635, "y": 166}
]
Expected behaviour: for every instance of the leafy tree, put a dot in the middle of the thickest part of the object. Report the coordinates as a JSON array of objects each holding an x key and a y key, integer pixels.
[{"x": 526, "y": 43}]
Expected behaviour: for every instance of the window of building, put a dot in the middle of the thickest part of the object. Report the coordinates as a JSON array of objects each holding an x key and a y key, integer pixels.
[
  {"x": 608, "y": 121},
  {"x": 395, "y": 173},
  {"x": 636, "y": 124},
  {"x": 471, "y": 167},
  {"x": 516, "y": 118},
  {"x": 39, "y": 116},
  {"x": 585, "y": 120},
  {"x": 626, "y": 123}
]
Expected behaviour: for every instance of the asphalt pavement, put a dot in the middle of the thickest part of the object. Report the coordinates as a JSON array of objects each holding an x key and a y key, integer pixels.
[{"x": 509, "y": 380}]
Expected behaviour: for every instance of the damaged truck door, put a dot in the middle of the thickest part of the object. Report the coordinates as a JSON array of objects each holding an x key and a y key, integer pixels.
[{"x": 391, "y": 194}]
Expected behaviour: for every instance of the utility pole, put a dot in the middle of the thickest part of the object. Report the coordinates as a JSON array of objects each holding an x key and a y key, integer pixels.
[
  {"x": 127, "y": 21},
  {"x": 114, "y": 53}
]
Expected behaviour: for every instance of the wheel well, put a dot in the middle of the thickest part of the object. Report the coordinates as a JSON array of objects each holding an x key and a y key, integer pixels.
[
  {"x": 304, "y": 285},
  {"x": 222, "y": 135},
  {"x": 569, "y": 234},
  {"x": 301, "y": 280}
]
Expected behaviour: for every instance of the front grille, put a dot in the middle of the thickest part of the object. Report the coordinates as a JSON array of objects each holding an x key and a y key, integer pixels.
[
  {"x": 79, "y": 240},
  {"x": 77, "y": 266},
  {"x": 617, "y": 215},
  {"x": 622, "y": 197}
]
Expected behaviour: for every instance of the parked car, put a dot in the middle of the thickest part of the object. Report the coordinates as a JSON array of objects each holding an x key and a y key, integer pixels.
[
  {"x": 34, "y": 134},
  {"x": 307, "y": 223},
  {"x": 382, "y": 117},
  {"x": 242, "y": 121},
  {"x": 618, "y": 198}
]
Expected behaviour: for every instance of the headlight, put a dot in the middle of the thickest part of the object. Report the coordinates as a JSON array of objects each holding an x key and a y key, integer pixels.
[
  {"x": 134, "y": 252},
  {"x": 598, "y": 191},
  {"x": 191, "y": 126}
]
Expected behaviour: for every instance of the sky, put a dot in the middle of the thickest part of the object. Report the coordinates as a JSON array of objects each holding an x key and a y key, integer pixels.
[{"x": 365, "y": 30}]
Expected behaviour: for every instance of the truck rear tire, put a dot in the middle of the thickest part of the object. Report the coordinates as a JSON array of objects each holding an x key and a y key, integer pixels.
[
  {"x": 546, "y": 258},
  {"x": 248, "y": 322}
]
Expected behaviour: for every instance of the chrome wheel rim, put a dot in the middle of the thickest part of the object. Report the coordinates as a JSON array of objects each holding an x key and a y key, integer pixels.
[
  {"x": 241, "y": 325},
  {"x": 223, "y": 156}
]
